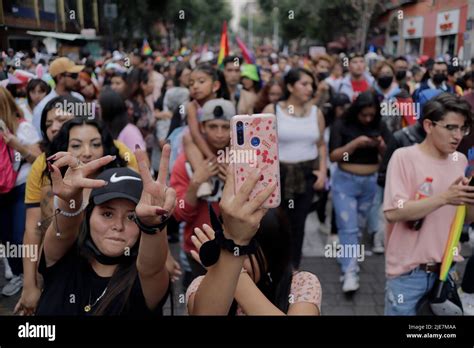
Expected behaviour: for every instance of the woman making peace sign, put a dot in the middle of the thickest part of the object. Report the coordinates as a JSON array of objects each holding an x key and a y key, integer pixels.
[{"x": 106, "y": 258}]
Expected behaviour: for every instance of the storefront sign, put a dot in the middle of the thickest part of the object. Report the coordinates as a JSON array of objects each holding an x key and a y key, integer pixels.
[
  {"x": 413, "y": 28},
  {"x": 447, "y": 23}
]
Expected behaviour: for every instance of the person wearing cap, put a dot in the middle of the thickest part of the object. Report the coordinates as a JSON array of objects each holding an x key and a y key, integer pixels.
[
  {"x": 66, "y": 77},
  {"x": 106, "y": 257},
  {"x": 358, "y": 80},
  {"x": 250, "y": 80},
  {"x": 215, "y": 128}
]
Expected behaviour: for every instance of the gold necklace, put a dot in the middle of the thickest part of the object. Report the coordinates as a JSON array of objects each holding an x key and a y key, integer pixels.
[{"x": 87, "y": 308}]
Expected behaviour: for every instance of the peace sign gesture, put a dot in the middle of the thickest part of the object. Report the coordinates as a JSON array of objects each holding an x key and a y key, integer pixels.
[{"x": 157, "y": 201}]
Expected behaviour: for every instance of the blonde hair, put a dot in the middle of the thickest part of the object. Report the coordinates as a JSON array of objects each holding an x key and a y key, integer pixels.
[
  {"x": 326, "y": 58},
  {"x": 10, "y": 112}
]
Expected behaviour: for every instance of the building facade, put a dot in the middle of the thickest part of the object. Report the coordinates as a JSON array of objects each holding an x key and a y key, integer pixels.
[
  {"x": 429, "y": 27},
  {"x": 27, "y": 23}
]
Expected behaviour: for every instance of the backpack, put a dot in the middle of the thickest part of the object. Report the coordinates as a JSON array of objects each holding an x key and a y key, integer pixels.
[{"x": 8, "y": 168}]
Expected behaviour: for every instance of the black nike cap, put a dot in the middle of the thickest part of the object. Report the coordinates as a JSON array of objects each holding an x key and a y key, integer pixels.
[{"x": 122, "y": 183}]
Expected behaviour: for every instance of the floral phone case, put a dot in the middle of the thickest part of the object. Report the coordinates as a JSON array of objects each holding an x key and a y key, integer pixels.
[{"x": 261, "y": 153}]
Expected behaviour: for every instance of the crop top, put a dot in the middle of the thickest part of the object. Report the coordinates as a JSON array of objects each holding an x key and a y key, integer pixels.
[{"x": 343, "y": 133}]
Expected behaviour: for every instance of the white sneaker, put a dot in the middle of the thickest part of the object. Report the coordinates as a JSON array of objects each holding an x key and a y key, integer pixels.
[
  {"x": 378, "y": 247},
  {"x": 8, "y": 270},
  {"x": 351, "y": 282},
  {"x": 14, "y": 286},
  {"x": 467, "y": 301}
]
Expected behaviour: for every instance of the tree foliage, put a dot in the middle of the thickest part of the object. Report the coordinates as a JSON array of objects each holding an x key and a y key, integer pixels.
[
  {"x": 320, "y": 20},
  {"x": 200, "y": 18}
]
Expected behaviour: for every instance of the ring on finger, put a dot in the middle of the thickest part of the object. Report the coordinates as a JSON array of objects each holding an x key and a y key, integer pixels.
[{"x": 78, "y": 163}]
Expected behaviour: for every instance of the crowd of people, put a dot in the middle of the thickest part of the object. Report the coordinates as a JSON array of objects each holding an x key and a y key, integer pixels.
[{"x": 105, "y": 161}]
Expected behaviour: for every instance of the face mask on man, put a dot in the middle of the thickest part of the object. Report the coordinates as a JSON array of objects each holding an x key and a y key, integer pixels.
[
  {"x": 385, "y": 81},
  {"x": 401, "y": 74},
  {"x": 439, "y": 78}
]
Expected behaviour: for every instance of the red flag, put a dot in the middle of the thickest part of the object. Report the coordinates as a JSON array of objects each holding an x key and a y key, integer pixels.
[{"x": 248, "y": 56}]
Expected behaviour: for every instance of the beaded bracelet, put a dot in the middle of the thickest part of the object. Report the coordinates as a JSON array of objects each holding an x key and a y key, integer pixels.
[{"x": 66, "y": 214}]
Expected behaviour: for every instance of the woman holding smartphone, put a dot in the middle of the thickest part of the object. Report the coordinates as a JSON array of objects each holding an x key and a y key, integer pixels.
[
  {"x": 302, "y": 152},
  {"x": 262, "y": 282},
  {"x": 357, "y": 143}
]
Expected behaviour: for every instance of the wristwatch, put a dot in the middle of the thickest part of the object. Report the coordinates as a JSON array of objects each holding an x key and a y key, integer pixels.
[{"x": 211, "y": 250}]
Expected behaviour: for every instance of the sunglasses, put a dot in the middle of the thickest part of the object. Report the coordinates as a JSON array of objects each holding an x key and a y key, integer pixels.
[{"x": 73, "y": 76}]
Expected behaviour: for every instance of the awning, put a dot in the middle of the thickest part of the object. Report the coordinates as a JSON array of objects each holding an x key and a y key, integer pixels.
[{"x": 62, "y": 36}]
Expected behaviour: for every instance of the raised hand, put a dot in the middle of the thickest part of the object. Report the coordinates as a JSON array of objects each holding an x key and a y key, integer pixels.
[
  {"x": 242, "y": 216},
  {"x": 157, "y": 201},
  {"x": 77, "y": 176},
  {"x": 201, "y": 236}
]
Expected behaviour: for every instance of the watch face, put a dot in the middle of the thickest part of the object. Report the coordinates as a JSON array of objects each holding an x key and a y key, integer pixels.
[{"x": 209, "y": 253}]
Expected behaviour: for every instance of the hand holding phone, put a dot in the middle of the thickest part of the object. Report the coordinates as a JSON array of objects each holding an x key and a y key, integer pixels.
[{"x": 254, "y": 144}]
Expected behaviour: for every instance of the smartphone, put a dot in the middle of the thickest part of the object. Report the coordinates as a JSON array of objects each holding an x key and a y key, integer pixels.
[{"x": 254, "y": 144}]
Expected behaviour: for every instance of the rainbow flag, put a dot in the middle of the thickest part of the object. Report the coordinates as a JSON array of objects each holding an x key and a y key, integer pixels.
[
  {"x": 224, "y": 47},
  {"x": 146, "y": 49},
  {"x": 453, "y": 241},
  {"x": 456, "y": 227},
  {"x": 246, "y": 54}
]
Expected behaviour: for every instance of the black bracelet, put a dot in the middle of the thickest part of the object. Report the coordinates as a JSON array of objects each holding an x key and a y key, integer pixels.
[
  {"x": 237, "y": 250},
  {"x": 150, "y": 229},
  {"x": 210, "y": 251}
]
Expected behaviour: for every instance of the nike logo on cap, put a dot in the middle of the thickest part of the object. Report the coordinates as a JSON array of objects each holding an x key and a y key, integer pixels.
[{"x": 114, "y": 178}]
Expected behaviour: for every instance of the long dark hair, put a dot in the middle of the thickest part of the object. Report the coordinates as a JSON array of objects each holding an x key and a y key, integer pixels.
[
  {"x": 114, "y": 111},
  {"x": 134, "y": 80},
  {"x": 61, "y": 141},
  {"x": 363, "y": 100},
  {"x": 273, "y": 260},
  {"x": 263, "y": 98},
  {"x": 179, "y": 71},
  {"x": 293, "y": 76},
  {"x": 216, "y": 75},
  {"x": 32, "y": 84},
  {"x": 121, "y": 283},
  {"x": 53, "y": 104}
]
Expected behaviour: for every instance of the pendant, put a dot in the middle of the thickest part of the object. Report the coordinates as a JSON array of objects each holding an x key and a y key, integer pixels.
[{"x": 87, "y": 308}]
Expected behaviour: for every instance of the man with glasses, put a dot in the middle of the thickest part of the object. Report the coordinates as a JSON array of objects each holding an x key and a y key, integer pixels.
[
  {"x": 437, "y": 82},
  {"x": 413, "y": 257},
  {"x": 65, "y": 74}
]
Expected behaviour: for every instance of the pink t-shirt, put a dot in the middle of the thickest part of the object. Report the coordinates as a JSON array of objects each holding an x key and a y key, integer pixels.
[
  {"x": 131, "y": 136},
  {"x": 305, "y": 287},
  {"x": 407, "y": 170}
]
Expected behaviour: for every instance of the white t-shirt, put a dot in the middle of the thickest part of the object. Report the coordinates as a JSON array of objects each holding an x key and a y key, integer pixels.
[{"x": 27, "y": 135}]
